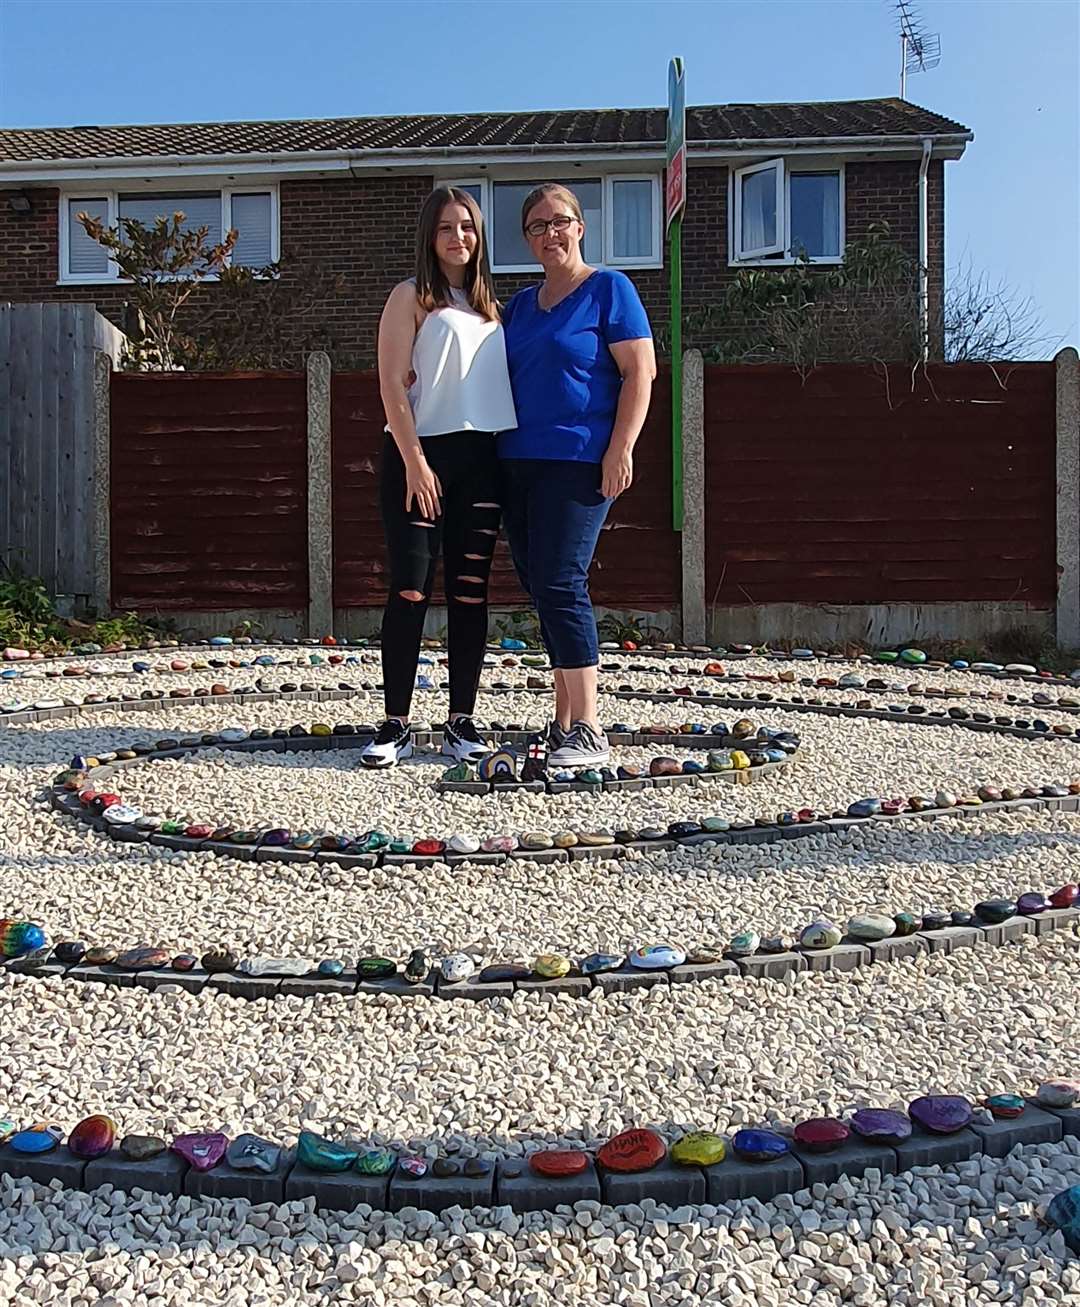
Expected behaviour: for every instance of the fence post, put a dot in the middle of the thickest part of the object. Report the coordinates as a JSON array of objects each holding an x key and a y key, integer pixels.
[
  {"x": 693, "y": 494},
  {"x": 1067, "y": 408},
  {"x": 320, "y": 539},
  {"x": 101, "y": 488}
]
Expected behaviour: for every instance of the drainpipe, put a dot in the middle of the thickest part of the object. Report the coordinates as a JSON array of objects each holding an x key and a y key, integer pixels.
[{"x": 924, "y": 252}]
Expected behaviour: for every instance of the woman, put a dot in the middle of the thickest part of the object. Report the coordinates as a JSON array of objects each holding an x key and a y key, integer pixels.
[
  {"x": 582, "y": 366},
  {"x": 444, "y": 386}
]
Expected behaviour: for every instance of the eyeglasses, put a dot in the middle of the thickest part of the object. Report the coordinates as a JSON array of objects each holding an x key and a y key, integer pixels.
[{"x": 539, "y": 227}]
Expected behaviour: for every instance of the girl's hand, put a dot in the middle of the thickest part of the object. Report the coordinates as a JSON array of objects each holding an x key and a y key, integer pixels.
[
  {"x": 422, "y": 485},
  {"x": 617, "y": 472}
]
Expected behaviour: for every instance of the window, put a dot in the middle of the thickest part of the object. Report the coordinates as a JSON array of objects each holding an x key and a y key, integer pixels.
[
  {"x": 622, "y": 220},
  {"x": 780, "y": 212},
  {"x": 253, "y": 213}
]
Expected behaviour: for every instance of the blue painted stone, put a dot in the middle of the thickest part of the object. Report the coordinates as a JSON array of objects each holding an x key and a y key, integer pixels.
[
  {"x": 331, "y": 967},
  {"x": 425, "y": 683},
  {"x": 691, "y": 767},
  {"x": 656, "y": 957},
  {"x": 880, "y": 1125},
  {"x": 598, "y": 962},
  {"x": 1064, "y": 1214},
  {"x": 941, "y": 1114},
  {"x": 802, "y": 653},
  {"x": 34, "y": 1141},
  {"x": 759, "y": 1145},
  {"x": 219, "y": 640},
  {"x": 864, "y": 808},
  {"x": 960, "y": 665},
  {"x": 508, "y": 642}
]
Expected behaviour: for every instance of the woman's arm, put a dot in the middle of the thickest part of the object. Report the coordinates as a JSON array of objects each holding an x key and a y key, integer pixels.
[
  {"x": 636, "y": 361},
  {"x": 397, "y": 333}
]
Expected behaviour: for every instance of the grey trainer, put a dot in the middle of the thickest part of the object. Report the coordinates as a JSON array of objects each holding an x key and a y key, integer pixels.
[
  {"x": 555, "y": 736},
  {"x": 583, "y": 747}
]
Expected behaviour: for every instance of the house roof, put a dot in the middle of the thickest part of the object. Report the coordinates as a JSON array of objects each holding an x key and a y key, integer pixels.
[{"x": 707, "y": 125}]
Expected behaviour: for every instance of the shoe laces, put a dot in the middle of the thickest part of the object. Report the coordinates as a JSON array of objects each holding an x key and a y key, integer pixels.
[
  {"x": 465, "y": 729},
  {"x": 391, "y": 731}
]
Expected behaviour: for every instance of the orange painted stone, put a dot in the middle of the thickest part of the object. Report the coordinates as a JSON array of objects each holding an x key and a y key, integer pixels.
[
  {"x": 559, "y": 1162},
  {"x": 632, "y": 1150}
]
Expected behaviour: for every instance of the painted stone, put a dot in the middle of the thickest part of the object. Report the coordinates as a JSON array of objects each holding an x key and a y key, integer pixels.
[
  {"x": 184, "y": 962},
  {"x": 597, "y": 963},
  {"x": 656, "y": 957},
  {"x": 463, "y": 844},
  {"x": 1006, "y": 1107},
  {"x": 551, "y": 966},
  {"x": 914, "y": 656},
  {"x": 375, "y": 968},
  {"x": 871, "y": 926},
  {"x": 679, "y": 830},
  {"x": 202, "y": 1150},
  {"x": 739, "y": 760},
  {"x": 565, "y": 839},
  {"x": 759, "y": 1145},
  {"x": 376, "y": 1161},
  {"x": 632, "y": 1150},
  {"x": 417, "y": 967},
  {"x": 1058, "y": 1093},
  {"x": 429, "y": 848},
  {"x": 743, "y": 729},
  {"x": 99, "y": 956},
  {"x": 444, "y": 1167},
  {"x": 36, "y": 1140},
  {"x": 414, "y": 1166},
  {"x": 596, "y": 838},
  {"x": 864, "y": 808},
  {"x": 69, "y": 951},
  {"x": 536, "y": 840},
  {"x": 219, "y": 959},
  {"x": 250, "y": 1153},
  {"x": 715, "y": 824},
  {"x": 936, "y": 920},
  {"x": 504, "y": 972},
  {"x": 92, "y": 1137},
  {"x": 820, "y": 935},
  {"x": 664, "y": 767},
  {"x": 141, "y": 959},
  {"x": 20, "y": 937},
  {"x": 1065, "y": 897},
  {"x": 699, "y": 1148},
  {"x": 321, "y": 1154},
  {"x": 558, "y": 1162},
  {"x": 880, "y": 1125},
  {"x": 1030, "y": 905},
  {"x": 994, "y": 911},
  {"x": 455, "y": 968},
  {"x": 330, "y": 967},
  {"x": 941, "y": 1114},
  {"x": 744, "y": 944},
  {"x": 774, "y": 944},
  {"x": 1063, "y": 1214},
  {"x": 122, "y": 814},
  {"x": 476, "y": 1167},
  {"x": 138, "y": 1148},
  {"x": 499, "y": 765},
  {"x": 821, "y": 1134},
  {"x": 499, "y": 844}
]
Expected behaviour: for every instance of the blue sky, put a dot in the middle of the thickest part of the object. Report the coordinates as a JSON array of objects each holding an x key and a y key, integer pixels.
[{"x": 1010, "y": 71}]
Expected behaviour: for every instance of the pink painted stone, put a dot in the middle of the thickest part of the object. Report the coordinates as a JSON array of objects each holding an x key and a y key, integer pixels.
[
  {"x": 203, "y": 1151},
  {"x": 821, "y": 1134}
]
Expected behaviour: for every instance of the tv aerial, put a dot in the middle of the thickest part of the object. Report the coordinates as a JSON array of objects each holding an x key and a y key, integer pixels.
[{"x": 919, "y": 50}]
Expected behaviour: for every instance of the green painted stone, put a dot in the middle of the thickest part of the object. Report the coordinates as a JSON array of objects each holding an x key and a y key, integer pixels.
[
  {"x": 590, "y": 776},
  {"x": 718, "y": 760},
  {"x": 871, "y": 926},
  {"x": 912, "y": 656},
  {"x": 173, "y": 827},
  {"x": 375, "y": 968},
  {"x": 376, "y": 1161},
  {"x": 461, "y": 771},
  {"x": 907, "y": 923},
  {"x": 744, "y": 944},
  {"x": 321, "y": 1154},
  {"x": 373, "y": 841},
  {"x": 715, "y": 824},
  {"x": 699, "y": 1148},
  {"x": 399, "y": 846},
  {"x": 994, "y": 911},
  {"x": 885, "y": 656}
]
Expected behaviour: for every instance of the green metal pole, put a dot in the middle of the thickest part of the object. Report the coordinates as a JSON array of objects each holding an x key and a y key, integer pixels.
[{"x": 675, "y": 263}]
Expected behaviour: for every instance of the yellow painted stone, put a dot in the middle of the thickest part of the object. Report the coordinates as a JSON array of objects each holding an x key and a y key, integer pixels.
[
  {"x": 566, "y": 839},
  {"x": 551, "y": 966},
  {"x": 699, "y": 1148},
  {"x": 536, "y": 839},
  {"x": 739, "y": 760},
  {"x": 321, "y": 728},
  {"x": 92, "y": 762}
]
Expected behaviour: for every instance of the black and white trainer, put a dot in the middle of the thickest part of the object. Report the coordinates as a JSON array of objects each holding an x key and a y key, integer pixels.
[
  {"x": 462, "y": 741},
  {"x": 392, "y": 742}
]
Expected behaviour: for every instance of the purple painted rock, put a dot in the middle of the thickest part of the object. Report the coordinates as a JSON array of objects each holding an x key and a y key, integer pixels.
[
  {"x": 202, "y": 1151},
  {"x": 941, "y": 1114},
  {"x": 821, "y": 1134},
  {"x": 277, "y": 837},
  {"x": 1030, "y": 905},
  {"x": 93, "y": 1137},
  {"x": 879, "y": 1125}
]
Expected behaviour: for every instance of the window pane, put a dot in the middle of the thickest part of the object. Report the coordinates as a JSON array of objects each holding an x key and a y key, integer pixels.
[
  {"x": 251, "y": 218},
  {"x": 509, "y": 244},
  {"x": 470, "y": 188},
  {"x": 759, "y": 210},
  {"x": 815, "y": 214},
  {"x": 86, "y": 256},
  {"x": 632, "y": 220},
  {"x": 199, "y": 210}
]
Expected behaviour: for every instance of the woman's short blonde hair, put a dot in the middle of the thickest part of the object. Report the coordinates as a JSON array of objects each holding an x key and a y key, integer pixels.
[{"x": 550, "y": 190}]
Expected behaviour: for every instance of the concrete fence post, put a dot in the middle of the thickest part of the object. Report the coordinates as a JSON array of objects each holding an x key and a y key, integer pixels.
[
  {"x": 320, "y": 538},
  {"x": 1067, "y": 407},
  {"x": 100, "y": 486},
  {"x": 693, "y": 482}
]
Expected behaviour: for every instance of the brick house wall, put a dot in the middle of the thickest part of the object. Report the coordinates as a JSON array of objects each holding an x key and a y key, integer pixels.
[{"x": 363, "y": 228}]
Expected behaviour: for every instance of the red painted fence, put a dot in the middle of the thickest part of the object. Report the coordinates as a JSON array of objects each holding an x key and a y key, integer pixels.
[
  {"x": 850, "y": 488},
  {"x": 208, "y": 490}
]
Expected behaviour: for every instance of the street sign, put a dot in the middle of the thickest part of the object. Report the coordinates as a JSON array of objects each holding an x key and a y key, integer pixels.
[{"x": 676, "y": 140}]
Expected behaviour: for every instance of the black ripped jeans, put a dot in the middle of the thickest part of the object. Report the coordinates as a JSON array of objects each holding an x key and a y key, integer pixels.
[{"x": 464, "y": 533}]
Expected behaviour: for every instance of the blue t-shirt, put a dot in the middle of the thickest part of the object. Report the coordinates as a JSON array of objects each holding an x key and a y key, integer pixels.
[{"x": 565, "y": 381}]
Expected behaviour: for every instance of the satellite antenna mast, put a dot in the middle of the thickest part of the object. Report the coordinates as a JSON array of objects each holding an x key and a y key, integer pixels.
[{"x": 919, "y": 49}]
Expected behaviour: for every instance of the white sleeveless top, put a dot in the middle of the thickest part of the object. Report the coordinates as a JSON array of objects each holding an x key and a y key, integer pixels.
[{"x": 462, "y": 382}]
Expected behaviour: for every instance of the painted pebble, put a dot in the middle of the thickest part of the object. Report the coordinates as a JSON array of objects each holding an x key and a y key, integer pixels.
[
  {"x": 880, "y": 1125},
  {"x": 456, "y": 968},
  {"x": 250, "y": 1153},
  {"x": 139, "y": 1148},
  {"x": 202, "y": 1150},
  {"x": 1058, "y": 1093},
  {"x": 551, "y": 966},
  {"x": 656, "y": 957},
  {"x": 558, "y": 1162},
  {"x": 821, "y": 1134},
  {"x": 820, "y": 935},
  {"x": 759, "y": 1145},
  {"x": 632, "y": 1150},
  {"x": 92, "y": 1137},
  {"x": 1006, "y": 1107},
  {"x": 699, "y": 1148},
  {"x": 319, "y": 1154}
]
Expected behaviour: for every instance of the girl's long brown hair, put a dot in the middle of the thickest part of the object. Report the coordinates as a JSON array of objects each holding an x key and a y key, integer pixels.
[{"x": 432, "y": 288}]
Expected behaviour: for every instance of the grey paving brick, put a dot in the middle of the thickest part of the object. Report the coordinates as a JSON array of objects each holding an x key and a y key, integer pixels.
[
  {"x": 274, "y": 853},
  {"x": 691, "y": 972},
  {"x": 855, "y": 1157},
  {"x": 771, "y": 966},
  {"x": 400, "y": 986},
  {"x": 108, "y": 975},
  {"x": 540, "y": 855},
  {"x": 951, "y": 938},
  {"x": 163, "y": 1174},
  {"x": 435, "y": 1194},
  {"x": 43, "y": 1167},
  {"x": 844, "y": 957},
  {"x": 474, "y": 990},
  {"x": 225, "y": 1181},
  {"x": 627, "y": 979},
  {"x": 666, "y": 1183},
  {"x": 241, "y": 986},
  {"x": 1006, "y": 932},
  {"x": 583, "y": 852},
  {"x": 1055, "y": 919},
  {"x": 525, "y": 1191},
  {"x": 1068, "y": 1116},
  {"x": 353, "y": 860},
  {"x": 315, "y": 986},
  {"x": 1034, "y": 1126},
  {"x": 924, "y": 1149},
  {"x": 576, "y": 986},
  {"x": 734, "y": 1178},
  {"x": 192, "y": 981},
  {"x": 340, "y": 1191},
  {"x": 897, "y": 946}
]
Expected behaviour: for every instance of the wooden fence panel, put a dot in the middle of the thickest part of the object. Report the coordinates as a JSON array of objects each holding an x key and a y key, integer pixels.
[
  {"x": 854, "y": 487},
  {"x": 209, "y": 491}
]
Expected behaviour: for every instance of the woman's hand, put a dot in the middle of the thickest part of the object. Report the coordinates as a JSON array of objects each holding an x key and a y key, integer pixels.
[
  {"x": 422, "y": 484},
  {"x": 617, "y": 472}
]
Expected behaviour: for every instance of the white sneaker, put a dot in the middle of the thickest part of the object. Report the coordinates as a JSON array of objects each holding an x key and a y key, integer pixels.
[
  {"x": 392, "y": 742},
  {"x": 583, "y": 747},
  {"x": 462, "y": 741}
]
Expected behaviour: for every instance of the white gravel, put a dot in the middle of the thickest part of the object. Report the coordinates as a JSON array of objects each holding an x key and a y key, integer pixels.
[{"x": 503, "y": 1076}]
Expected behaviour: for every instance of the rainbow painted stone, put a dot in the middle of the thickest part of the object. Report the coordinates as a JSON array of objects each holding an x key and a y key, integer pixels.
[
  {"x": 92, "y": 1137},
  {"x": 656, "y": 957},
  {"x": 19, "y": 937},
  {"x": 632, "y": 1150}
]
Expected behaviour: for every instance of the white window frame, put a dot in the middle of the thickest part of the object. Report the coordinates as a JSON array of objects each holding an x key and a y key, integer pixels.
[
  {"x": 654, "y": 259},
  {"x": 787, "y": 166},
  {"x": 111, "y": 196}
]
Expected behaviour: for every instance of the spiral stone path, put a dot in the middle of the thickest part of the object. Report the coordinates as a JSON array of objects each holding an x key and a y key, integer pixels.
[{"x": 530, "y": 1069}]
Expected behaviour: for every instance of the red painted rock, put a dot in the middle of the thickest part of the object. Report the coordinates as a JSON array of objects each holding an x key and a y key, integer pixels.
[
  {"x": 633, "y": 1150},
  {"x": 429, "y": 848},
  {"x": 199, "y": 830},
  {"x": 93, "y": 1137},
  {"x": 559, "y": 1162},
  {"x": 202, "y": 1151},
  {"x": 821, "y": 1134},
  {"x": 665, "y": 767},
  {"x": 1065, "y": 897},
  {"x": 143, "y": 958},
  {"x": 108, "y": 800},
  {"x": 87, "y": 797}
]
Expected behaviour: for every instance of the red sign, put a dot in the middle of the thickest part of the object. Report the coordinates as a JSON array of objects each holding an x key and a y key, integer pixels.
[{"x": 676, "y": 184}]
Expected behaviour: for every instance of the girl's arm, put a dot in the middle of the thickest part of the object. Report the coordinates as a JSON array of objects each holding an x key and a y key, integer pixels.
[{"x": 397, "y": 333}]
